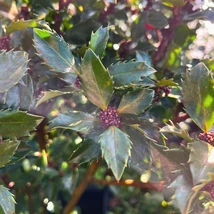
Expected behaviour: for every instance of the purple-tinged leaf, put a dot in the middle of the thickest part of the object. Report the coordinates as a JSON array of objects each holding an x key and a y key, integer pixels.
[
  {"x": 184, "y": 194},
  {"x": 178, "y": 131},
  {"x": 201, "y": 160}
]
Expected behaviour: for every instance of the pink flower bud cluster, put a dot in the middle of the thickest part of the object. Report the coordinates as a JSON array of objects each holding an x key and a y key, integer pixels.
[
  {"x": 78, "y": 82},
  {"x": 209, "y": 188},
  {"x": 109, "y": 118},
  {"x": 208, "y": 137},
  {"x": 5, "y": 43}
]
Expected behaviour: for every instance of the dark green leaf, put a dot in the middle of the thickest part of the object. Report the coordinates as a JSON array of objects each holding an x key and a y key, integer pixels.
[
  {"x": 115, "y": 146},
  {"x": 198, "y": 96},
  {"x": 157, "y": 19},
  {"x": 80, "y": 33},
  {"x": 41, "y": 6},
  {"x": 77, "y": 121},
  {"x": 54, "y": 50},
  {"x": 7, "y": 202},
  {"x": 135, "y": 102},
  {"x": 7, "y": 149},
  {"x": 20, "y": 153},
  {"x": 17, "y": 123},
  {"x": 95, "y": 79},
  {"x": 201, "y": 160},
  {"x": 140, "y": 159},
  {"x": 13, "y": 66},
  {"x": 99, "y": 40},
  {"x": 87, "y": 151},
  {"x": 186, "y": 33},
  {"x": 129, "y": 72}
]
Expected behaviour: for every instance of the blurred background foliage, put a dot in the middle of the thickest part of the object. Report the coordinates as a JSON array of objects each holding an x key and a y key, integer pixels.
[{"x": 171, "y": 36}]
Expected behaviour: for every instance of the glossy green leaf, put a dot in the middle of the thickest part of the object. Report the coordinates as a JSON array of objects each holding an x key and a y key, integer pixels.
[
  {"x": 52, "y": 94},
  {"x": 115, "y": 146},
  {"x": 53, "y": 49},
  {"x": 7, "y": 149},
  {"x": 99, "y": 40},
  {"x": 129, "y": 72},
  {"x": 96, "y": 81},
  {"x": 7, "y": 202},
  {"x": 21, "y": 24},
  {"x": 75, "y": 120},
  {"x": 201, "y": 160},
  {"x": 175, "y": 155},
  {"x": 178, "y": 131},
  {"x": 142, "y": 56},
  {"x": 157, "y": 19},
  {"x": 17, "y": 123},
  {"x": 135, "y": 102},
  {"x": 21, "y": 152},
  {"x": 198, "y": 96},
  {"x": 86, "y": 152},
  {"x": 13, "y": 66}
]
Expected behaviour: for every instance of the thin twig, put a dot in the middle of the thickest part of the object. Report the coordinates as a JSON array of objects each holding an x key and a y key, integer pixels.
[{"x": 81, "y": 187}]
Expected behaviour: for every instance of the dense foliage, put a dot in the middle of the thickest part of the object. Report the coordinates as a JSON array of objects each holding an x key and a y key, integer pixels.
[{"x": 116, "y": 93}]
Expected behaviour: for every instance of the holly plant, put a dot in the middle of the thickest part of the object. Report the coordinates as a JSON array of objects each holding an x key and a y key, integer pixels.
[{"x": 112, "y": 88}]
